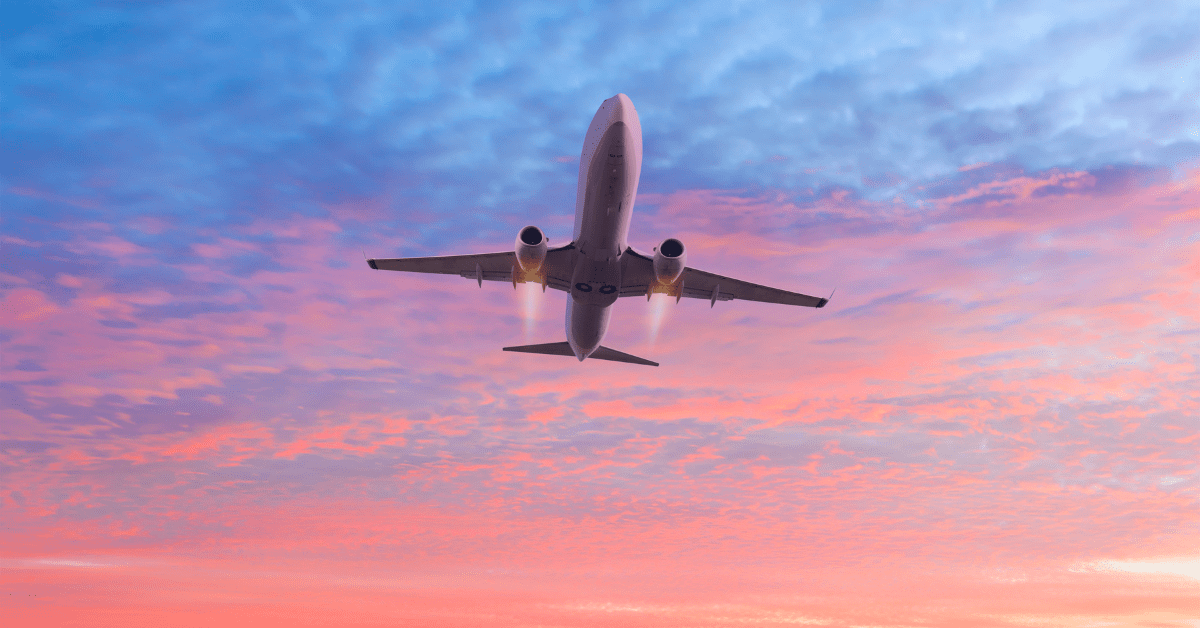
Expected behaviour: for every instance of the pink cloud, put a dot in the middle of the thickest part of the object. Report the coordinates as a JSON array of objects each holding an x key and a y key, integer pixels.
[{"x": 1000, "y": 390}]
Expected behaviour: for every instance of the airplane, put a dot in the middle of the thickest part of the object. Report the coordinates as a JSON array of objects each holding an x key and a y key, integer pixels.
[{"x": 598, "y": 266}]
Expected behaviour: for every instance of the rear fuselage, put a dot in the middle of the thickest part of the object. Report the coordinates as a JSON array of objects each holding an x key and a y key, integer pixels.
[{"x": 608, "y": 178}]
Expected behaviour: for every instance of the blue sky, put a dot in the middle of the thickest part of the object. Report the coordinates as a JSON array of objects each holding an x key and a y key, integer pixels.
[{"x": 222, "y": 111}]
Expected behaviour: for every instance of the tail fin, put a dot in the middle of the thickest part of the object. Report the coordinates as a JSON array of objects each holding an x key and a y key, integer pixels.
[{"x": 563, "y": 348}]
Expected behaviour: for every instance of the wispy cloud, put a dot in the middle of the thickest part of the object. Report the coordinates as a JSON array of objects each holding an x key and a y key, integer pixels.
[{"x": 990, "y": 367}]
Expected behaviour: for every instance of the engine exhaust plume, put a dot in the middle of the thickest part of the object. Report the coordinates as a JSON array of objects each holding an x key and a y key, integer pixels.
[
  {"x": 660, "y": 303},
  {"x": 530, "y": 296}
]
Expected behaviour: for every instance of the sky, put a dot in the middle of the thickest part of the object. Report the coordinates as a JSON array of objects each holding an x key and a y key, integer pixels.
[{"x": 215, "y": 412}]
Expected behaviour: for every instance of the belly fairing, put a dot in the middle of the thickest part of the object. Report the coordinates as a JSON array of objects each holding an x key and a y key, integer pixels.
[{"x": 596, "y": 281}]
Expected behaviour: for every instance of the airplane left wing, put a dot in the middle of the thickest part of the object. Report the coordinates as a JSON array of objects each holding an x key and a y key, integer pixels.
[
  {"x": 555, "y": 271},
  {"x": 637, "y": 279}
]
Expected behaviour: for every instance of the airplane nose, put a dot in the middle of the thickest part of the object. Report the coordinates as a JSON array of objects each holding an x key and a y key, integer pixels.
[
  {"x": 622, "y": 106},
  {"x": 622, "y": 110}
]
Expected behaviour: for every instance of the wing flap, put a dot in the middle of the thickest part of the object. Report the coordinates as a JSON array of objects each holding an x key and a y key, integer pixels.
[
  {"x": 699, "y": 284},
  {"x": 555, "y": 271},
  {"x": 638, "y": 280},
  {"x": 465, "y": 265}
]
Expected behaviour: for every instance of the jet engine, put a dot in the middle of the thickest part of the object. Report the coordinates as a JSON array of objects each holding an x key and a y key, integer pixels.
[
  {"x": 669, "y": 261},
  {"x": 531, "y": 249}
]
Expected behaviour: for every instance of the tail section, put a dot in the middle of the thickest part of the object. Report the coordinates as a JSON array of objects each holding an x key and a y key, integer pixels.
[
  {"x": 563, "y": 348},
  {"x": 612, "y": 355},
  {"x": 550, "y": 348}
]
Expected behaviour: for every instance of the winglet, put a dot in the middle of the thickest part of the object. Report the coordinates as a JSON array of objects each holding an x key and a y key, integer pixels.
[
  {"x": 371, "y": 263},
  {"x": 822, "y": 302}
]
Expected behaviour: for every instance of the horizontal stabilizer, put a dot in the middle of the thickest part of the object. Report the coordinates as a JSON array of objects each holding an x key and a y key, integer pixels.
[
  {"x": 550, "y": 348},
  {"x": 612, "y": 355},
  {"x": 563, "y": 348}
]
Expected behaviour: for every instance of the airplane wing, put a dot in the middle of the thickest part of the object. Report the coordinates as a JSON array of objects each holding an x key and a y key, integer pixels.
[
  {"x": 555, "y": 271},
  {"x": 637, "y": 279}
]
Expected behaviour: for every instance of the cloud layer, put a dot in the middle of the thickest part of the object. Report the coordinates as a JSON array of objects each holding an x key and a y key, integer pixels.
[{"x": 1007, "y": 384}]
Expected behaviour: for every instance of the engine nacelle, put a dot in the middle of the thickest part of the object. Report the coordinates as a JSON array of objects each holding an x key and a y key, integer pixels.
[
  {"x": 531, "y": 249},
  {"x": 669, "y": 260}
]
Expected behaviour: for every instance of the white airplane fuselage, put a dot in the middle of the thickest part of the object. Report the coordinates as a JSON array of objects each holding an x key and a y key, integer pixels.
[
  {"x": 597, "y": 266},
  {"x": 608, "y": 178}
]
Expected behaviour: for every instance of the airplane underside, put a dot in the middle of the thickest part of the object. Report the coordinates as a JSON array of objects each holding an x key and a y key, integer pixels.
[{"x": 597, "y": 267}]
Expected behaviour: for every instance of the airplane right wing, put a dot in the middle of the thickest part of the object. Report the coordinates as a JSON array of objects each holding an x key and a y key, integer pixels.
[
  {"x": 555, "y": 271},
  {"x": 638, "y": 280}
]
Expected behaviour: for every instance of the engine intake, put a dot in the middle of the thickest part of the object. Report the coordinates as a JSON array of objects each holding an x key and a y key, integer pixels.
[
  {"x": 531, "y": 249},
  {"x": 670, "y": 258}
]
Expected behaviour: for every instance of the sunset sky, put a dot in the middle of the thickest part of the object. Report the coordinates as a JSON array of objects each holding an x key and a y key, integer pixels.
[{"x": 214, "y": 413}]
